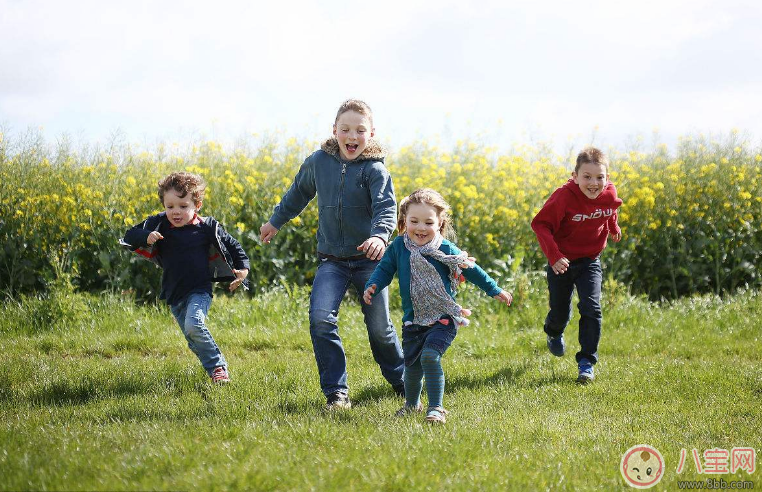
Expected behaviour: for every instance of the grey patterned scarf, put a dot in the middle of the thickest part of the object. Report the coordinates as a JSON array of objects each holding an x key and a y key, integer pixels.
[{"x": 427, "y": 291}]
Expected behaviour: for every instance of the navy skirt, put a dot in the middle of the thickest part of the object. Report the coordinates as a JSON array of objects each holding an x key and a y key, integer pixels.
[{"x": 438, "y": 336}]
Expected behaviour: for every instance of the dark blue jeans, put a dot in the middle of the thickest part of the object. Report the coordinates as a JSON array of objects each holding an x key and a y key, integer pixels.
[
  {"x": 332, "y": 280},
  {"x": 586, "y": 275}
]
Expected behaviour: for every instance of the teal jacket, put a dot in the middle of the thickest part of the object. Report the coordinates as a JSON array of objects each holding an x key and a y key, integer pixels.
[
  {"x": 397, "y": 260},
  {"x": 355, "y": 198}
]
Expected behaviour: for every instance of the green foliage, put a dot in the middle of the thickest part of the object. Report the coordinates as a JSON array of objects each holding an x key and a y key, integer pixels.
[{"x": 692, "y": 220}]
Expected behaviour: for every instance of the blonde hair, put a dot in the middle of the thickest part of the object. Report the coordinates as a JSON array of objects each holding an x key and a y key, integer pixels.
[
  {"x": 355, "y": 105},
  {"x": 432, "y": 198},
  {"x": 591, "y": 155},
  {"x": 183, "y": 183}
]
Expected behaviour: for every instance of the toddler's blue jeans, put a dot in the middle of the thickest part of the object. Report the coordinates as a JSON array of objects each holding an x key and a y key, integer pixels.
[
  {"x": 190, "y": 314},
  {"x": 586, "y": 275}
]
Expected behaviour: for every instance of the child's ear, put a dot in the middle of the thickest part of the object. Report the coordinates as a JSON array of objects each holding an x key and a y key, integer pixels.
[
  {"x": 334, "y": 130},
  {"x": 574, "y": 176},
  {"x": 372, "y": 132},
  {"x": 198, "y": 205}
]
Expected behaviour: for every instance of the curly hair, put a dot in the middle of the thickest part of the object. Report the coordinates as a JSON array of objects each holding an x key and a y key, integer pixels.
[
  {"x": 355, "y": 105},
  {"x": 591, "y": 155},
  {"x": 432, "y": 198},
  {"x": 183, "y": 183}
]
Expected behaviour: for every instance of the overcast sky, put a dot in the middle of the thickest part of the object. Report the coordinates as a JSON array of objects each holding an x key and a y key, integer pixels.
[{"x": 499, "y": 71}]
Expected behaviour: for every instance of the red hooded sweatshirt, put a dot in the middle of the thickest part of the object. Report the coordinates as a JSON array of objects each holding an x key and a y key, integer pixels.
[{"x": 571, "y": 225}]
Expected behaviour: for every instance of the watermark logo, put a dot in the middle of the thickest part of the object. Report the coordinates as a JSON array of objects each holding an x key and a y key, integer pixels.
[{"x": 642, "y": 466}]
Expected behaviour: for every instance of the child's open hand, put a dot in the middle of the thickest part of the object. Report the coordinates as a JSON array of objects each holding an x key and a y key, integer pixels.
[
  {"x": 373, "y": 247},
  {"x": 368, "y": 294},
  {"x": 616, "y": 237},
  {"x": 153, "y": 237},
  {"x": 560, "y": 266},
  {"x": 239, "y": 276},
  {"x": 504, "y": 297},
  {"x": 267, "y": 232}
]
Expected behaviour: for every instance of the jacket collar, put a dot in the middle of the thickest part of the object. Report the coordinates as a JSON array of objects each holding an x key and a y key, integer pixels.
[{"x": 373, "y": 150}]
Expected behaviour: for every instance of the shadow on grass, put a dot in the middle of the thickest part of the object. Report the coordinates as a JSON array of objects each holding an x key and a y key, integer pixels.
[
  {"x": 372, "y": 394},
  {"x": 506, "y": 376},
  {"x": 88, "y": 389}
]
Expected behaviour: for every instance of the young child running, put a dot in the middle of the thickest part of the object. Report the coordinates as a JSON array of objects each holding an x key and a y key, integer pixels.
[
  {"x": 357, "y": 214},
  {"x": 428, "y": 268},
  {"x": 193, "y": 252},
  {"x": 572, "y": 228}
]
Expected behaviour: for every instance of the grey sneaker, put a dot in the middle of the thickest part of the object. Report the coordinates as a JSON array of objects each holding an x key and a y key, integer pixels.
[
  {"x": 586, "y": 373},
  {"x": 338, "y": 400},
  {"x": 557, "y": 345}
]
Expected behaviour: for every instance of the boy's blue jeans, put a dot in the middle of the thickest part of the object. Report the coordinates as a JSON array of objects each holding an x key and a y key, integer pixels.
[
  {"x": 586, "y": 275},
  {"x": 332, "y": 280},
  {"x": 190, "y": 314}
]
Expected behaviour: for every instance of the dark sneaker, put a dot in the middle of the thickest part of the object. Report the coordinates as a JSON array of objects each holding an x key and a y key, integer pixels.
[
  {"x": 399, "y": 389},
  {"x": 586, "y": 373},
  {"x": 220, "y": 375},
  {"x": 337, "y": 400},
  {"x": 406, "y": 410},
  {"x": 556, "y": 345}
]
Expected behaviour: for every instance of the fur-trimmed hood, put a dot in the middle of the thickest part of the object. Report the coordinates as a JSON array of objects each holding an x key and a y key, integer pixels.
[{"x": 374, "y": 150}]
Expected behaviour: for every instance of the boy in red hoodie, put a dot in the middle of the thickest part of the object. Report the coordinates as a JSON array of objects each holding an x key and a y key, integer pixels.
[{"x": 572, "y": 228}]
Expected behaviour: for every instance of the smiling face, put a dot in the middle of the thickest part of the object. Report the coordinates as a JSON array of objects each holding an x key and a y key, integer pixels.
[
  {"x": 352, "y": 130},
  {"x": 422, "y": 223},
  {"x": 180, "y": 210},
  {"x": 591, "y": 179},
  {"x": 642, "y": 466}
]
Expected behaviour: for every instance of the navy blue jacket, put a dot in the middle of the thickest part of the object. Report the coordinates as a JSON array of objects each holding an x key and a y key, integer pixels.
[{"x": 225, "y": 252}]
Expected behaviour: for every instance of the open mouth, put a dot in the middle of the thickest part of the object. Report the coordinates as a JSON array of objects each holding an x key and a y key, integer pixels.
[{"x": 351, "y": 148}]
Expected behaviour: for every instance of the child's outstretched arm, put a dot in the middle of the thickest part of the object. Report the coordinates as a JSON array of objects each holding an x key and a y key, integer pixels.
[
  {"x": 383, "y": 273},
  {"x": 299, "y": 194},
  {"x": 477, "y": 276}
]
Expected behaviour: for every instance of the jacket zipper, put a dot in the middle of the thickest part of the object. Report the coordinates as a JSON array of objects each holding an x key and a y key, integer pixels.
[{"x": 341, "y": 202}]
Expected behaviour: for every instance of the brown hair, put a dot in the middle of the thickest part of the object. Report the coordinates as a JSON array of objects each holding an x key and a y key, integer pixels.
[
  {"x": 432, "y": 198},
  {"x": 591, "y": 155},
  {"x": 183, "y": 183},
  {"x": 355, "y": 105}
]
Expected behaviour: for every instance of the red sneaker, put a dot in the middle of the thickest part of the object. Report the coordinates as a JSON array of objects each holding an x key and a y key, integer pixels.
[{"x": 220, "y": 375}]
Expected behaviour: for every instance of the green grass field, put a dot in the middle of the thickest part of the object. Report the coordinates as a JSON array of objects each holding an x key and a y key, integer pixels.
[{"x": 98, "y": 393}]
